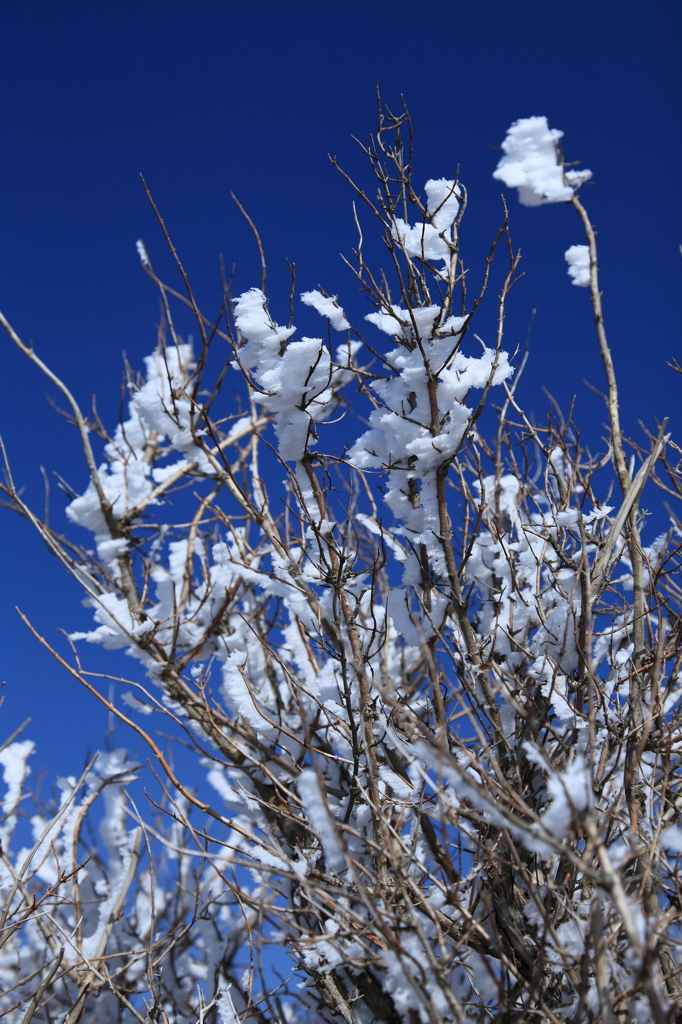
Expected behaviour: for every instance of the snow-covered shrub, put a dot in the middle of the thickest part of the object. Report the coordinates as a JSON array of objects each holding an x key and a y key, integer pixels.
[{"x": 433, "y": 692}]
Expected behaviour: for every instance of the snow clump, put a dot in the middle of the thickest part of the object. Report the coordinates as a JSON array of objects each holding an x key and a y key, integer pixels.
[
  {"x": 429, "y": 241},
  {"x": 578, "y": 259},
  {"x": 533, "y": 164}
]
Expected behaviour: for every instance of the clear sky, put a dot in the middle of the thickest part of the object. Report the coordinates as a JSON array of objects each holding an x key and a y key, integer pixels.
[{"x": 210, "y": 97}]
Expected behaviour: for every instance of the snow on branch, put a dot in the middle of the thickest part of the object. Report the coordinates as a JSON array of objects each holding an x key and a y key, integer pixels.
[
  {"x": 533, "y": 164},
  {"x": 409, "y": 685}
]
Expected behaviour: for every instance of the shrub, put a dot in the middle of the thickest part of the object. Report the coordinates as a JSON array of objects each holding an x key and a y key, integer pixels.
[{"x": 431, "y": 678}]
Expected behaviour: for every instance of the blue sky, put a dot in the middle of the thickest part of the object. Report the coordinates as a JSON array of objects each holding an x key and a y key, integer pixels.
[{"x": 213, "y": 97}]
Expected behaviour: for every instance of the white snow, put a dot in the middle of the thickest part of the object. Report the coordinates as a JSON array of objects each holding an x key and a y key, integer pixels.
[
  {"x": 672, "y": 839},
  {"x": 142, "y": 252},
  {"x": 532, "y": 164},
  {"x": 328, "y": 307},
  {"x": 238, "y": 696},
  {"x": 568, "y": 518},
  {"x": 131, "y": 700},
  {"x": 225, "y": 1008},
  {"x": 429, "y": 241},
  {"x": 317, "y": 811},
  {"x": 570, "y": 791},
  {"x": 399, "y": 437},
  {"x": 578, "y": 259},
  {"x": 13, "y": 760},
  {"x": 126, "y": 477}
]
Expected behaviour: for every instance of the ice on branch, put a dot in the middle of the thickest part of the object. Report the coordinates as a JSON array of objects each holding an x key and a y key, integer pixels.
[
  {"x": 533, "y": 164},
  {"x": 431, "y": 240},
  {"x": 578, "y": 259}
]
